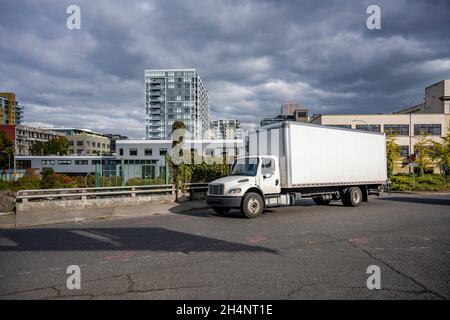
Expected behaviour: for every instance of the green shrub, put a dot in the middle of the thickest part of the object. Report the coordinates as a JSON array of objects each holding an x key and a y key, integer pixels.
[
  {"x": 143, "y": 182},
  {"x": 430, "y": 182},
  {"x": 29, "y": 183}
]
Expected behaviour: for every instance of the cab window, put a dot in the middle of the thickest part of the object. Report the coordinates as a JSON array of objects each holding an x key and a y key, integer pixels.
[{"x": 267, "y": 166}]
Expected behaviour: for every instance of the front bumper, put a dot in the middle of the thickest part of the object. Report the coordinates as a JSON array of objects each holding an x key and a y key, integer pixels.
[{"x": 225, "y": 202}]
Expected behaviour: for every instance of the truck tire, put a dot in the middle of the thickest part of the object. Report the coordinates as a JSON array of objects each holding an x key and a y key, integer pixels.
[
  {"x": 321, "y": 201},
  {"x": 354, "y": 196},
  {"x": 253, "y": 205},
  {"x": 221, "y": 210},
  {"x": 344, "y": 197}
]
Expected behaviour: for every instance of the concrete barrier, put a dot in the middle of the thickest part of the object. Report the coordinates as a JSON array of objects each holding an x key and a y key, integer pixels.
[
  {"x": 94, "y": 203},
  {"x": 87, "y": 198}
]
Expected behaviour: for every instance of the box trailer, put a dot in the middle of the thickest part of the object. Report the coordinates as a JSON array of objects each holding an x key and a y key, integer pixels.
[{"x": 287, "y": 160}]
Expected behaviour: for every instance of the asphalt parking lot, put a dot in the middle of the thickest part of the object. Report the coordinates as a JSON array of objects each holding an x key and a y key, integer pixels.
[{"x": 302, "y": 252}]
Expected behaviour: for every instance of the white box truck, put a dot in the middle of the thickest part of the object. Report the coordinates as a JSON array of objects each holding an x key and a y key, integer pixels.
[{"x": 288, "y": 160}]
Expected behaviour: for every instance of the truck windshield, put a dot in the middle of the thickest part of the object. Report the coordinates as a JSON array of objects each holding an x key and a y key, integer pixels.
[{"x": 245, "y": 167}]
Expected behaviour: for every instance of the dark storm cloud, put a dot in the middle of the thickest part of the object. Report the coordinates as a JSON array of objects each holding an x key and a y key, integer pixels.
[{"x": 252, "y": 56}]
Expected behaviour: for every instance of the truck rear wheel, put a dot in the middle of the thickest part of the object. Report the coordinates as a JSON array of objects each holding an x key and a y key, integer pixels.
[
  {"x": 354, "y": 196},
  {"x": 221, "y": 210},
  {"x": 253, "y": 205}
]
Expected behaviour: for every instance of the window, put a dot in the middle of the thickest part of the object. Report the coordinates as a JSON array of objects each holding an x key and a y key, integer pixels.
[
  {"x": 432, "y": 129},
  {"x": 162, "y": 151},
  {"x": 70, "y": 143},
  {"x": 120, "y": 152},
  {"x": 64, "y": 162},
  {"x": 23, "y": 164},
  {"x": 267, "y": 166},
  {"x": 95, "y": 162},
  {"x": 148, "y": 152},
  {"x": 404, "y": 151},
  {"x": 365, "y": 127},
  {"x": 400, "y": 129},
  {"x": 79, "y": 143},
  {"x": 47, "y": 162},
  {"x": 133, "y": 152},
  {"x": 81, "y": 162}
]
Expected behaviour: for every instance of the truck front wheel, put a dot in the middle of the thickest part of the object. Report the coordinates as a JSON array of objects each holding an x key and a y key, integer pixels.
[{"x": 253, "y": 205}]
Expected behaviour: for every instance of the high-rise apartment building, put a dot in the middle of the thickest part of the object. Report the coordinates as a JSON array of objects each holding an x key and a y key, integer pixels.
[
  {"x": 10, "y": 110},
  {"x": 227, "y": 129},
  {"x": 175, "y": 95}
]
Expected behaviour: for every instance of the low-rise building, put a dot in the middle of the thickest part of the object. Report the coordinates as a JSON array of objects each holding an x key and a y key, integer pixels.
[
  {"x": 85, "y": 141},
  {"x": 26, "y": 136},
  {"x": 144, "y": 159},
  {"x": 71, "y": 165}
]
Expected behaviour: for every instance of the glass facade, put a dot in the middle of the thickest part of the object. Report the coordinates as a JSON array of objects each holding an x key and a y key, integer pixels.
[{"x": 175, "y": 95}]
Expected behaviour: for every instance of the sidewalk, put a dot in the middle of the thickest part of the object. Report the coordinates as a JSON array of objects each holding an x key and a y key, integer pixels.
[{"x": 44, "y": 217}]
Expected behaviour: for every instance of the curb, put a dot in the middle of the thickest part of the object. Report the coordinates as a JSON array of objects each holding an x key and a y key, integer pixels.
[{"x": 95, "y": 218}]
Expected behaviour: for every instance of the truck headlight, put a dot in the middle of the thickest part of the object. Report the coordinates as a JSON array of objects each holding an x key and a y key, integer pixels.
[{"x": 235, "y": 190}]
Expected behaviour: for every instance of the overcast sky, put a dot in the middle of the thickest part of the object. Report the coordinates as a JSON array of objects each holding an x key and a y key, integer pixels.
[{"x": 251, "y": 55}]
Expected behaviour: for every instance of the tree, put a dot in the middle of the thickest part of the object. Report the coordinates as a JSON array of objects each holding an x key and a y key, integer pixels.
[
  {"x": 6, "y": 151},
  {"x": 177, "y": 172},
  {"x": 441, "y": 152},
  {"x": 38, "y": 148},
  {"x": 424, "y": 150},
  {"x": 56, "y": 146},
  {"x": 392, "y": 152}
]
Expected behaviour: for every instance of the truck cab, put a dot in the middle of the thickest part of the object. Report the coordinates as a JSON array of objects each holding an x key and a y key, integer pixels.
[{"x": 253, "y": 183}]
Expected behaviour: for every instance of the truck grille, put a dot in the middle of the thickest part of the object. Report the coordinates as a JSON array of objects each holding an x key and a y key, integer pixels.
[{"x": 216, "y": 189}]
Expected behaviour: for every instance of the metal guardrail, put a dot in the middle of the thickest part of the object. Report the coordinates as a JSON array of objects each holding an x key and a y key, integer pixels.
[{"x": 102, "y": 192}]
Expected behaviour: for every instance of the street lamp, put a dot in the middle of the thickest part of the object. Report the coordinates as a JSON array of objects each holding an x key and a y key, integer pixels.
[{"x": 367, "y": 124}]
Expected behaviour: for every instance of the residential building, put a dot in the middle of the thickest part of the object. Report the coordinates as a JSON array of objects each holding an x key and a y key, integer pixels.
[
  {"x": 175, "y": 95},
  {"x": 10, "y": 110},
  {"x": 227, "y": 129},
  {"x": 26, "y": 136},
  {"x": 85, "y": 141}
]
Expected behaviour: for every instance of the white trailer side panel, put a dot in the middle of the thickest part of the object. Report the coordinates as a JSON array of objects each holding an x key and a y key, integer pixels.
[{"x": 318, "y": 155}]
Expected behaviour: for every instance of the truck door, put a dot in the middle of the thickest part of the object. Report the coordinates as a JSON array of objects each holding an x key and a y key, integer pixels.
[{"x": 270, "y": 176}]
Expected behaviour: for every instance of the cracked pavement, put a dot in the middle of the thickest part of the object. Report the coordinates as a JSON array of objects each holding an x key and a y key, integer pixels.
[{"x": 303, "y": 252}]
